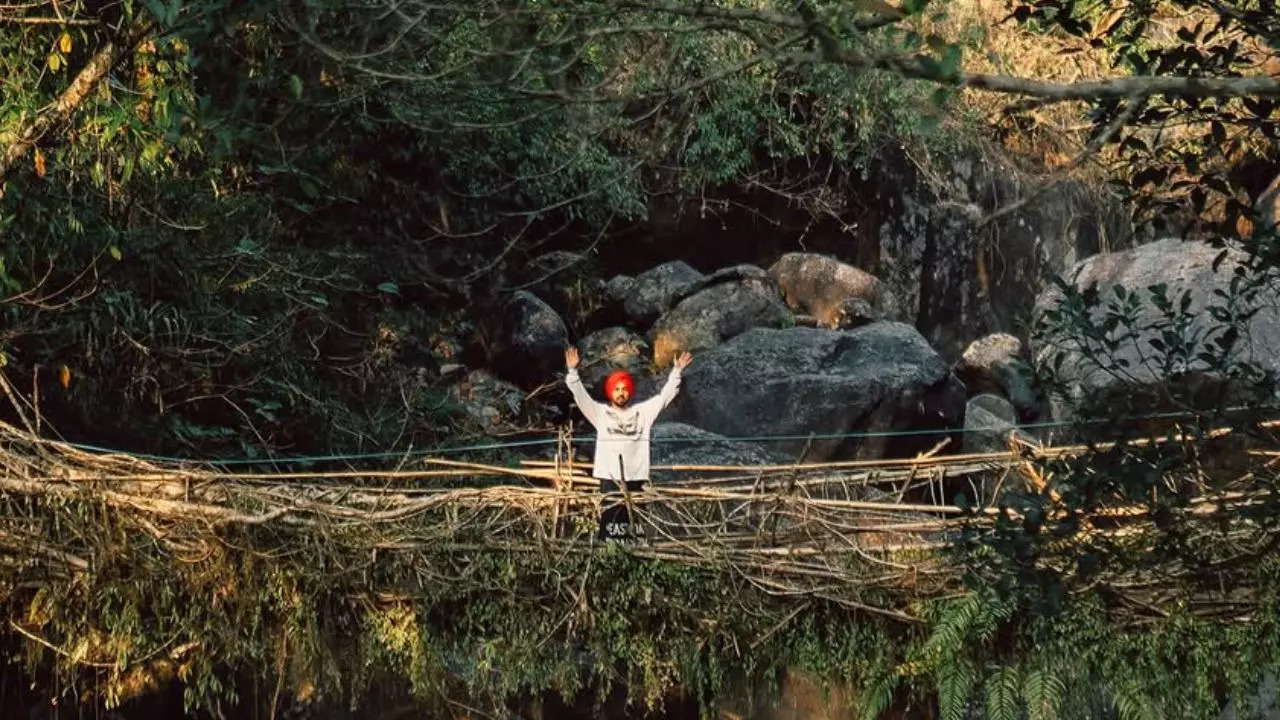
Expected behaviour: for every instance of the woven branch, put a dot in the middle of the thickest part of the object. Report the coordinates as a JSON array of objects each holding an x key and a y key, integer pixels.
[{"x": 836, "y": 530}]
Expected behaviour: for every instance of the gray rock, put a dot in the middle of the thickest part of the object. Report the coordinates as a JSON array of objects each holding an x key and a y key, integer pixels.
[
  {"x": 676, "y": 443},
  {"x": 733, "y": 273},
  {"x": 714, "y": 315},
  {"x": 619, "y": 287},
  {"x": 988, "y": 422},
  {"x": 957, "y": 277},
  {"x": 490, "y": 402},
  {"x": 1139, "y": 374},
  {"x": 654, "y": 291},
  {"x": 533, "y": 340},
  {"x": 799, "y": 381},
  {"x": 998, "y": 364}
]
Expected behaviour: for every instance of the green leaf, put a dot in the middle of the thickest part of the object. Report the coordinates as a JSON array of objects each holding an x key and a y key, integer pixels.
[
  {"x": 295, "y": 86},
  {"x": 115, "y": 253},
  {"x": 390, "y": 288},
  {"x": 875, "y": 699},
  {"x": 158, "y": 10},
  {"x": 1002, "y": 694},
  {"x": 950, "y": 64},
  {"x": 956, "y": 679},
  {"x": 1043, "y": 691},
  {"x": 1131, "y": 704}
]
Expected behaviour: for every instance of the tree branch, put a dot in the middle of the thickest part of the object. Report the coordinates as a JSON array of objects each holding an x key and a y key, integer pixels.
[
  {"x": 85, "y": 81},
  {"x": 45, "y": 21},
  {"x": 1091, "y": 148},
  {"x": 1142, "y": 86}
]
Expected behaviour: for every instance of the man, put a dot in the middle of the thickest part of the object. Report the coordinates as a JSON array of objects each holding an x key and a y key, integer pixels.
[{"x": 622, "y": 434}]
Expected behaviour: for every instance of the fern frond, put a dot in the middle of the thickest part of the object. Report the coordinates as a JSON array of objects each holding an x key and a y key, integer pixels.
[
  {"x": 953, "y": 625},
  {"x": 876, "y": 697},
  {"x": 993, "y": 612},
  {"x": 956, "y": 680},
  {"x": 1133, "y": 704},
  {"x": 1002, "y": 694},
  {"x": 1043, "y": 691}
]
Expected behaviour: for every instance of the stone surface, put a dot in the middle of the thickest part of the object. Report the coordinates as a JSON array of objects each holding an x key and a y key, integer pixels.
[{"x": 792, "y": 382}]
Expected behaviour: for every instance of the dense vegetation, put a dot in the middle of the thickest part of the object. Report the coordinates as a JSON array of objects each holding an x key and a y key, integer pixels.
[{"x": 249, "y": 229}]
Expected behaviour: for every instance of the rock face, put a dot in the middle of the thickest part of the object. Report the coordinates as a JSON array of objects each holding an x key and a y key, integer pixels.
[
  {"x": 998, "y": 364},
  {"x": 960, "y": 275},
  {"x": 676, "y": 443},
  {"x": 715, "y": 314},
  {"x": 798, "y": 381},
  {"x": 836, "y": 294},
  {"x": 1159, "y": 362},
  {"x": 534, "y": 338},
  {"x": 653, "y": 292}
]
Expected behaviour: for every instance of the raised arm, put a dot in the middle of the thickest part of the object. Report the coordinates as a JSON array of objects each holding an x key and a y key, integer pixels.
[
  {"x": 589, "y": 407},
  {"x": 672, "y": 387}
]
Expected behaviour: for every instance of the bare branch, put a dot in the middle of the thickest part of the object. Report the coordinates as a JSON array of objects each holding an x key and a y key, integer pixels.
[{"x": 45, "y": 21}]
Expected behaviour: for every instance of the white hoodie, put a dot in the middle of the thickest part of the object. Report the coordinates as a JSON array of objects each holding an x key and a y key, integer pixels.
[{"x": 622, "y": 436}]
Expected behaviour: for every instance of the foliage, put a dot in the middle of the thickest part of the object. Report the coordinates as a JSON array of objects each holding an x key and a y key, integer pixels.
[
  {"x": 255, "y": 232},
  {"x": 247, "y": 627},
  {"x": 248, "y": 168},
  {"x": 1186, "y": 163}
]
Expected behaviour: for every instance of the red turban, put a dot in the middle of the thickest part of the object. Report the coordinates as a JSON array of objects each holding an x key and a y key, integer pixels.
[{"x": 616, "y": 377}]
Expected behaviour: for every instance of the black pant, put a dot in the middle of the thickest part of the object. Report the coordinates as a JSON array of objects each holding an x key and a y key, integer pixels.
[{"x": 615, "y": 517}]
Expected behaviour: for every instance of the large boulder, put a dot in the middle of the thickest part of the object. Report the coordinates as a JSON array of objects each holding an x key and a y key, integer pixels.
[
  {"x": 533, "y": 340},
  {"x": 615, "y": 348},
  {"x": 966, "y": 243},
  {"x": 651, "y": 293},
  {"x": 742, "y": 272},
  {"x": 802, "y": 381},
  {"x": 1157, "y": 362},
  {"x": 715, "y": 314},
  {"x": 835, "y": 294},
  {"x": 997, "y": 363}
]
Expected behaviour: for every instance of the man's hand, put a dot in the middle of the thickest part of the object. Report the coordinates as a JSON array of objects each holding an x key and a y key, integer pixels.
[
  {"x": 683, "y": 361},
  {"x": 571, "y": 358}
]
